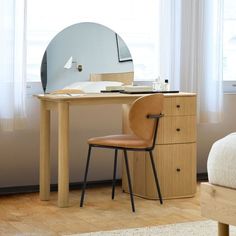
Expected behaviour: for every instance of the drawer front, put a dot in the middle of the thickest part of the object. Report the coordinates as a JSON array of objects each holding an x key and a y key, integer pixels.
[
  {"x": 176, "y": 167},
  {"x": 179, "y": 106},
  {"x": 177, "y": 129}
]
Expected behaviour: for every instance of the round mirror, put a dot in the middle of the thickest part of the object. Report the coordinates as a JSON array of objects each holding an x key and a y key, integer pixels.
[{"x": 84, "y": 52}]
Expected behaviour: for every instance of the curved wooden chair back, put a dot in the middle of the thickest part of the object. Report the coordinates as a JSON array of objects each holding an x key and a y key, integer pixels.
[{"x": 141, "y": 126}]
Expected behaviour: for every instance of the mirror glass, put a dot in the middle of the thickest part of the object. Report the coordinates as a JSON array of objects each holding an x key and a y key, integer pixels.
[{"x": 81, "y": 50}]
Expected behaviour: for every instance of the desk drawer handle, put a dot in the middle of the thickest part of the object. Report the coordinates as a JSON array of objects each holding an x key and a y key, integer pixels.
[
  {"x": 178, "y": 129},
  {"x": 178, "y": 169},
  {"x": 178, "y": 106}
]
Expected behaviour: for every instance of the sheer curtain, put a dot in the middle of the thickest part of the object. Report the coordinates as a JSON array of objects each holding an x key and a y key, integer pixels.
[
  {"x": 191, "y": 51},
  {"x": 12, "y": 63}
]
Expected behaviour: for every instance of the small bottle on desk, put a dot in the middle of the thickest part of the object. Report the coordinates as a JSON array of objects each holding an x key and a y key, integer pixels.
[
  {"x": 166, "y": 86},
  {"x": 157, "y": 84}
]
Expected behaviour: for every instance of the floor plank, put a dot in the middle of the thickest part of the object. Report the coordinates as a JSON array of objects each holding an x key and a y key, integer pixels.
[{"x": 25, "y": 214}]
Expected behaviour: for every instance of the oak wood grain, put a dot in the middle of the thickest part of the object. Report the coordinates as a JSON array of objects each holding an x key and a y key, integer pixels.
[
  {"x": 44, "y": 152},
  {"x": 218, "y": 203},
  {"x": 25, "y": 214},
  {"x": 175, "y": 152}
]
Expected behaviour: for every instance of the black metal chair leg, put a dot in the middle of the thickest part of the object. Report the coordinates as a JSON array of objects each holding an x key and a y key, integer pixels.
[
  {"x": 85, "y": 177},
  {"x": 129, "y": 180},
  {"x": 155, "y": 176},
  {"x": 114, "y": 175}
]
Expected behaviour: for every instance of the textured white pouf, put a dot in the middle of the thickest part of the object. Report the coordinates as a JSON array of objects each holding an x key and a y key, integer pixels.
[{"x": 221, "y": 163}]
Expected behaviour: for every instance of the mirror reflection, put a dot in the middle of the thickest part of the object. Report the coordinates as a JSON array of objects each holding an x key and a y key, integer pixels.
[{"x": 83, "y": 52}]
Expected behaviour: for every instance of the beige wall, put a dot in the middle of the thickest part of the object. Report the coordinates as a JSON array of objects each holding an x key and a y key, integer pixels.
[
  {"x": 19, "y": 150},
  {"x": 209, "y": 133}
]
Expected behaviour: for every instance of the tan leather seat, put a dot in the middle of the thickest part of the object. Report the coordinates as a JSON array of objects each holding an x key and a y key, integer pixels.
[
  {"x": 125, "y": 141},
  {"x": 144, "y": 116}
]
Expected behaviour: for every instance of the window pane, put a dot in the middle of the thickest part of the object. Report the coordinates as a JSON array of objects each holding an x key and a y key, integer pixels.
[{"x": 229, "y": 68}]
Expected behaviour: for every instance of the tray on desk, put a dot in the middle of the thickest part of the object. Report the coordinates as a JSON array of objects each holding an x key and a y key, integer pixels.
[
  {"x": 148, "y": 92},
  {"x": 111, "y": 91},
  {"x": 138, "y": 92}
]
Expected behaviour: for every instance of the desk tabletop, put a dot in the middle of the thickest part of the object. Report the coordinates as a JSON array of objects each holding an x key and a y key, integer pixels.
[{"x": 88, "y": 96}]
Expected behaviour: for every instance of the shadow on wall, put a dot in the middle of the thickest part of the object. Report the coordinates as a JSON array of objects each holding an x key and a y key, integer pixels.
[
  {"x": 207, "y": 134},
  {"x": 20, "y": 149}
]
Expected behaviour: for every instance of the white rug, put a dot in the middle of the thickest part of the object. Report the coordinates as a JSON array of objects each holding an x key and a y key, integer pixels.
[{"x": 197, "y": 228}]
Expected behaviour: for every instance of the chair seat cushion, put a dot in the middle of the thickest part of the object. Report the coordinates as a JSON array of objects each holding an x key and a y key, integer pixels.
[
  {"x": 123, "y": 141},
  {"x": 221, "y": 163}
]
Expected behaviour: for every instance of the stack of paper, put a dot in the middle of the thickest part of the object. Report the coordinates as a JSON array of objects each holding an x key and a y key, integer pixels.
[{"x": 114, "y": 88}]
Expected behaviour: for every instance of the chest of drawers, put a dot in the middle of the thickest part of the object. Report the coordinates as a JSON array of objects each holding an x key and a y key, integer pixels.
[{"x": 174, "y": 153}]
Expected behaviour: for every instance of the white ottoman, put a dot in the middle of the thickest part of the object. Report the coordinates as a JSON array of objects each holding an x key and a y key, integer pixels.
[{"x": 221, "y": 164}]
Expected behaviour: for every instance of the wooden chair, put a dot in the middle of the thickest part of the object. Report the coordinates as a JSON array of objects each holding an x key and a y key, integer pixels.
[{"x": 144, "y": 116}]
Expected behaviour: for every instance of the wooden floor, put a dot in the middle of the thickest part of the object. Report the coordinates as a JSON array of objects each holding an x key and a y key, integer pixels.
[{"x": 25, "y": 214}]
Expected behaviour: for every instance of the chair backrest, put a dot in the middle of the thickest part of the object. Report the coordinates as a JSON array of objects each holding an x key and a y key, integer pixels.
[
  {"x": 139, "y": 123},
  {"x": 124, "y": 77}
]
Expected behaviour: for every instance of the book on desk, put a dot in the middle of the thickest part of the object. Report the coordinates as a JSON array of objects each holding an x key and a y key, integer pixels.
[{"x": 134, "y": 90}]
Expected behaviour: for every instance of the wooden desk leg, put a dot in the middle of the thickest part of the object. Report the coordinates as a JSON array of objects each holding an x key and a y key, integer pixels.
[
  {"x": 223, "y": 229},
  {"x": 44, "y": 171},
  {"x": 63, "y": 154}
]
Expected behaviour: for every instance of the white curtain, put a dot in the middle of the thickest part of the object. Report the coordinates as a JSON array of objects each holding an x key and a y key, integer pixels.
[
  {"x": 191, "y": 51},
  {"x": 12, "y": 63}
]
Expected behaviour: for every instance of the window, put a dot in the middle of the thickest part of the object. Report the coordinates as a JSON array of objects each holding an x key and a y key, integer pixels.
[
  {"x": 229, "y": 46},
  {"x": 135, "y": 21}
]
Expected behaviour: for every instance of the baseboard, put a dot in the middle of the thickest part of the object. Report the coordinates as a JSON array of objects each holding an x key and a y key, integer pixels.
[
  {"x": 73, "y": 186},
  {"x": 202, "y": 177},
  {"x": 54, "y": 187}
]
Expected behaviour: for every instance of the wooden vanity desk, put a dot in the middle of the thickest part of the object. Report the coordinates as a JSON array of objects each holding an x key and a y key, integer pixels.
[{"x": 175, "y": 148}]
